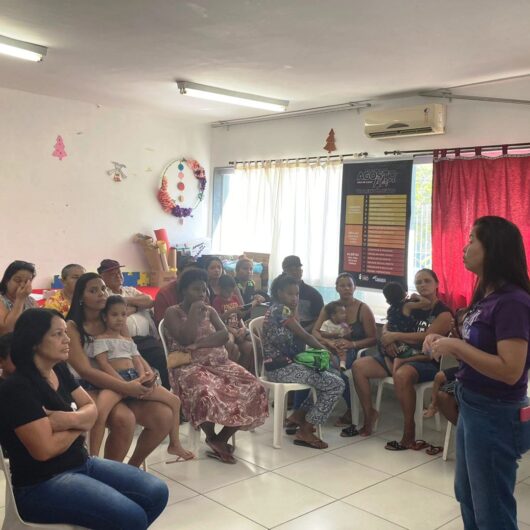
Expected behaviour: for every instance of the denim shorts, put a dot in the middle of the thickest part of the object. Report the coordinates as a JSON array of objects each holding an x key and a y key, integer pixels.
[
  {"x": 89, "y": 387},
  {"x": 426, "y": 369},
  {"x": 128, "y": 375}
]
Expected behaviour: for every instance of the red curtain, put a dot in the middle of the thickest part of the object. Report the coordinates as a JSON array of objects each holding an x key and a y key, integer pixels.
[{"x": 464, "y": 189}]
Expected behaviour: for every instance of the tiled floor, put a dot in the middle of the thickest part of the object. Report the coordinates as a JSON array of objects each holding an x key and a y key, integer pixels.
[{"x": 353, "y": 485}]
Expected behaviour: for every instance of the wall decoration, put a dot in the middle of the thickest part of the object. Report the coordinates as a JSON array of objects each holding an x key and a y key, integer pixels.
[
  {"x": 175, "y": 173},
  {"x": 375, "y": 221},
  {"x": 117, "y": 172},
  {"x": 330, "y": 142},
  {"x": 59, "y": 151}
]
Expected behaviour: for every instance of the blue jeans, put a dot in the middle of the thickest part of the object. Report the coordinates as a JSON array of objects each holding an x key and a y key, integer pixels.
[
  {"x": 101, "y": 494},
  {"x": 489, "y": 441}
]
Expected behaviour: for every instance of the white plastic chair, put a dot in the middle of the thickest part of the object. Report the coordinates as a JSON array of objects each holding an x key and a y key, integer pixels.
[
  {"x": 194, "y": 435},
  {"x": 12, "y": 519},
  {"x": 279, "y": 390}
]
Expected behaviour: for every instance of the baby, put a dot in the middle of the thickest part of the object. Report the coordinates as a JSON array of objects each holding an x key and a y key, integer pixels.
[
  {"x": 118, "y": 356},
  {"x": 399, "y": 317},
  {"x": 336, "y": 327}
]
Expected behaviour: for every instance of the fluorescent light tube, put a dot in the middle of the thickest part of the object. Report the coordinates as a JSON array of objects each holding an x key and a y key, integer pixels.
[
  {"x": 229, "y": 96},
  {"x": 21, "y": 49}
]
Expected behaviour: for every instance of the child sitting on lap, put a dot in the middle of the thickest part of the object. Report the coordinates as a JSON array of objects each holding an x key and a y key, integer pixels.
[
  {"x": 118, "y": 356},
  {"x": 227, "y": 304},
  {"x": 399, "y": 316},
  {"x": 336, "y": 328}
]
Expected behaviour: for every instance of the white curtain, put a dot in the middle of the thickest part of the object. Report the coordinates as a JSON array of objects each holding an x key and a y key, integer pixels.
[{"x": 283, "y": 208}]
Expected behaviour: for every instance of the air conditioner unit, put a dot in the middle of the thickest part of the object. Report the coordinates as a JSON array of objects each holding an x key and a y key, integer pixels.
[{"x": 411, "y": 121}]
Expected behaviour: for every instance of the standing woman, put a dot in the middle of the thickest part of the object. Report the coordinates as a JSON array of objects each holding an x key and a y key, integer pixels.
[
  {"x": 493, "y": 375},
  {"x": 15, "y": 290},
  {"x": 54, "y": 480}
]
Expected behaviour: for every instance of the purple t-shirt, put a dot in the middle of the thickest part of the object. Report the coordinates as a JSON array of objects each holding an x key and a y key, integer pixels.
[{"x": 502, "y": 315}]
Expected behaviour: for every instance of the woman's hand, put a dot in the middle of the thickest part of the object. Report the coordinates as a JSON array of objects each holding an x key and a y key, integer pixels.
[
  {"x": 60, "y": 420},
  {"x": 388, "y": 338},
  {"x": 259, "y": 299},
  {"x": 430, "y": 339},
  {"x": 444, "y": 346},
  {"x": 343, "y": 344},
  {"x": 137, "y": 389},
  {"x": 23, "y": 290},
  {"x": 391, "y": 350},
  {"x": 198, "y": 309}
]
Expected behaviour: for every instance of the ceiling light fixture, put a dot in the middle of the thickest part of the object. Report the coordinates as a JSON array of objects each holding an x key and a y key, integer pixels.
[
  {"x": 229, "y": 96},
  {"x": 21, "y": 49}
]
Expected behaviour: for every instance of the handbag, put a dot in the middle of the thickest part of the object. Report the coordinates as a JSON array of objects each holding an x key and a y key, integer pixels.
[
  {"x": 178, "y": 358},
  {"x": 313, "y": 358}
]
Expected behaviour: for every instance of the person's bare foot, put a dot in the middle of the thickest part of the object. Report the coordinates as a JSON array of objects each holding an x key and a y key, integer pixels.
[
  {"x": 306, "y": 437},
  {"x": 368, "y": 428},
  {"x": 178, "y": 450},
  {"x": 221, "y": 450},
  {"x": 297, "y": 417},
  {"x": 430, "y": 411}
]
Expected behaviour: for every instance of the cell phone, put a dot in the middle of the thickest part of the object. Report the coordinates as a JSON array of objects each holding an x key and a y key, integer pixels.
[{"x": 524, "y": 414}]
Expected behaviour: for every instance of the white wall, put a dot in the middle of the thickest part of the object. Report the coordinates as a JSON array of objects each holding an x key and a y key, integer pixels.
[
  {"x": 55, "y": 212},
  {"x": 468, "y": 124}
]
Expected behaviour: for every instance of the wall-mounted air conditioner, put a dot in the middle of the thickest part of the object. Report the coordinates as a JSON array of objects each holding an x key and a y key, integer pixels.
[{"x": 411, "y": 121}]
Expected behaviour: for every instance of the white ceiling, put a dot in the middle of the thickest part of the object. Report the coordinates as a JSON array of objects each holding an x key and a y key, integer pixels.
[{"x": 128, "y": 53}]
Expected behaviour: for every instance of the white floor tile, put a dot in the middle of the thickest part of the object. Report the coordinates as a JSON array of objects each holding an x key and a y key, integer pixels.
[
  {"x": 269, "y": 499},
  {"x": 371, "y": 452},
  {"x": 332, "y": 475},
  {"x": 406, "y": 504},
  {"x": 2, "y": 515},
  {"x": 177, "y": 492},
  {"x": 205, "y": 474},
  {"x": 436, "y": 475},
  {"x": 338, "y": 516},
  {"x": 2, "y": 490},
  {"x": 200, "y": 513},
  {"x": 522, "y": 495},
  {"x": 455, "y": 524}
]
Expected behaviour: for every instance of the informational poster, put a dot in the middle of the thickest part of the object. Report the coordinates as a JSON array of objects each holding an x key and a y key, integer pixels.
[{"x": 375, "y": 219}]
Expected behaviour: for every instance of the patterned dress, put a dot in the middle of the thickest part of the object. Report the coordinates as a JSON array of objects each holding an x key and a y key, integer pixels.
[{"x": 214, "y": 389}]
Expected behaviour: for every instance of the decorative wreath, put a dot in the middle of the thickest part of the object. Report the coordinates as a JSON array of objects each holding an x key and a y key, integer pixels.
[{"x": 165, "y": 199}]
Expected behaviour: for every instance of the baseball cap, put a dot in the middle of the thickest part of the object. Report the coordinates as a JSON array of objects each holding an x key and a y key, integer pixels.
[
  {"x": 108, "y": 265},
  {"x": 291, "y": 261}
]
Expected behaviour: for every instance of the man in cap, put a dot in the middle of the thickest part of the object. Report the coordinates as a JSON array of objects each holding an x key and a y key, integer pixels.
[
  {"x": 310, "y": 300},
  {"x": 139, "y": 317}
]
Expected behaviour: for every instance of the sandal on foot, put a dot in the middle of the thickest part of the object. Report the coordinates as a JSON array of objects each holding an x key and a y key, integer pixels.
[
  {"x": 434, "y": 450},
  {"x": 419, "y": 445},
  {"x": 291, "y": 428},
  {"x": 350, "y": 431},
  {"x": 225, "y": 459},
  {"x": 315, "y": 444},
  {"x": 394, "y": 445}
]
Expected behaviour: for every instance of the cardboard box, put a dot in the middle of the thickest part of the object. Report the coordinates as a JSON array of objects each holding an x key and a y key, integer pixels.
[{"x": 161, "y": 278}]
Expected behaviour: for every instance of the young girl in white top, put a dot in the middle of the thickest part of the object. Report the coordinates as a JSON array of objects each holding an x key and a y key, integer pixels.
[{"x": 118, "y": 356}]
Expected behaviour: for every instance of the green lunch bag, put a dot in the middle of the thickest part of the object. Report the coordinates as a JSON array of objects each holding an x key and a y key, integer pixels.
[{"x": 312, "y": 358}]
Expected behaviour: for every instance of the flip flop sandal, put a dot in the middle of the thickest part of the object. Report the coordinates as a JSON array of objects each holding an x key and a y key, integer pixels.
[
  {"x": 179, "y": 460},
  {"x": 434, "y": 450},
  {"x": 316, "y": 444},
  {"x": 229, "y": 459},
  {"x": 419, "y": 445},
  {"x": 394, "y": 445},
  {"x": 350, "y": 431}
]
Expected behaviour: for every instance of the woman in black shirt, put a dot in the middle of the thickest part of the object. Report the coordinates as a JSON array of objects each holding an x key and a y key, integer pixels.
[{"x": 44, "y": 417}]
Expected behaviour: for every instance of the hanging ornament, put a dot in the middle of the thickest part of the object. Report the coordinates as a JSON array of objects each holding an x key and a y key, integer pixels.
[
  {"x": 117, "y": 172},
  {"x": 330, "y": 142},
  {"x": 59, "y": 151}
]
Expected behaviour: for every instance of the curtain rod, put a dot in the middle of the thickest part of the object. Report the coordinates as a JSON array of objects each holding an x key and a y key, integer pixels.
[
  {"x": 356, "y": 155},
  {"x": 461, "y": 149}
]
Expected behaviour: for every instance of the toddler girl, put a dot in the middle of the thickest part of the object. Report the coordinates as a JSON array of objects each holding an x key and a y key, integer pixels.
[
  {"x": 118, "y": 356},
  {"x": 336, "y": 327}
]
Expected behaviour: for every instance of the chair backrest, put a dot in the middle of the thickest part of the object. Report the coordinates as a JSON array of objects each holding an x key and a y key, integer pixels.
[
  {"x": 11, "y": 506},
  {"x": 162, "y": 336},
  {"x": 255, "y": 327}
]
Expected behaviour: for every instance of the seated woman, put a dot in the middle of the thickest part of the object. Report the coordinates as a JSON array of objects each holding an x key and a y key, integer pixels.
[
  {"x": 361, "y": 320},
  {"x": 245, "y": 284},
  {"x": 84, "y": 322},
  {"x": 214, "y": 268},
  {"x": 405, "y": 371},
  {"x": 45, "y": 415},
  {"x": 283, "y": 337},
  {"x": 15, "y": 291},
  {"x": 212, "y": 388},
  {"x": 61, "y": 299}
]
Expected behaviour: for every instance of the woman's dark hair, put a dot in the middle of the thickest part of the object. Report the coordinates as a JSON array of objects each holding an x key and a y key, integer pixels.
[
  {"x": 67, "y": 268},
  {"x": 281, "y": 283},
  {"x": 208, "y": 261},
  {"x": 431, "y": 272},
  {"x": 12, "y": 269},
  {"x": 346, "y": 275},
  {"x": 77, "y": 309},
  {"x": 30, "y": 329},
  {"x": 332, "y": 308},
  {"x": 5, "y": 345},
  {"x": 504, "y": 255},
  {"x": 113, "y": 299},
  {"x": 190, "y": 276},
  {"x": 394, "y": 292},
  {"x": 227, "y": 282}
]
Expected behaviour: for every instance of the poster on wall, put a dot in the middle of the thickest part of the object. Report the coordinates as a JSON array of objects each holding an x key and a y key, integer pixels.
[{"x": 375, "y": 219}]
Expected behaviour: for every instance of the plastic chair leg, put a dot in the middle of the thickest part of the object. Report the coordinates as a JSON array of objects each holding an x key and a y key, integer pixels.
[
  {"x": 355, "y": 406},
  {"x": 418, "y": 413},
  {"x": 378, "y": 398},
  {"x": 280, "y": 402},
  {"x": 447, "y": 441},
  {"x": 319, "y": 427}
]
